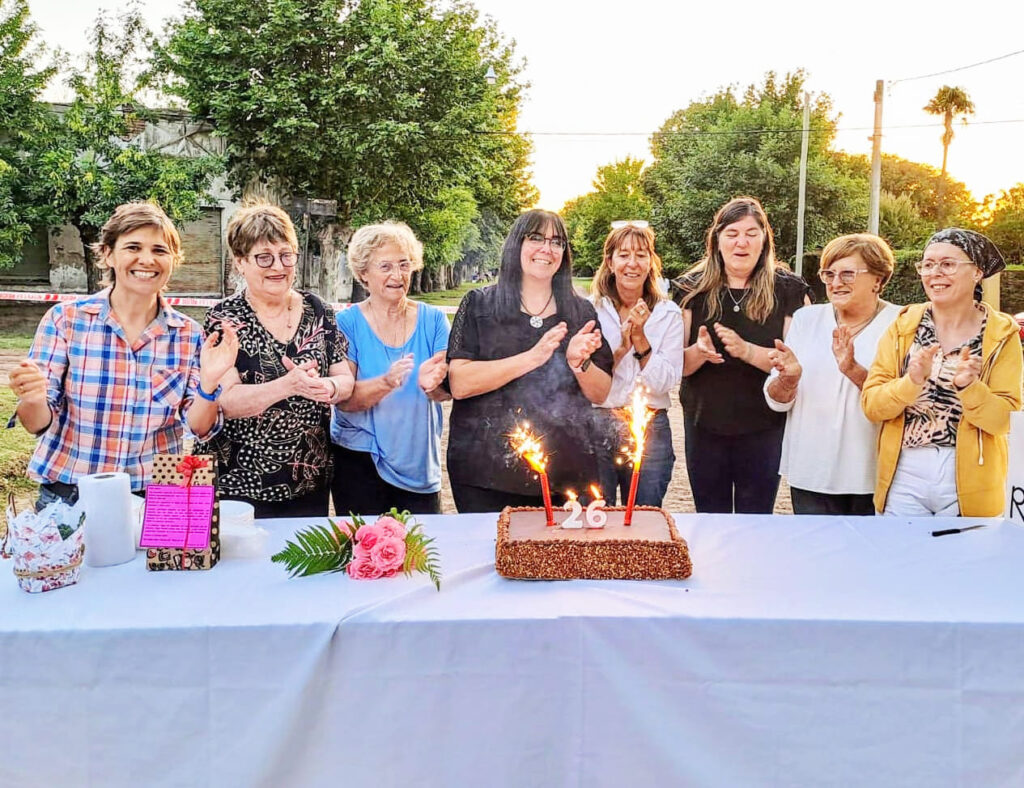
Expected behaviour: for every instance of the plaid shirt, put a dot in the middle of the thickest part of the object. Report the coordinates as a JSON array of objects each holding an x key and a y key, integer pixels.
[{"x": 114, "y": 406}]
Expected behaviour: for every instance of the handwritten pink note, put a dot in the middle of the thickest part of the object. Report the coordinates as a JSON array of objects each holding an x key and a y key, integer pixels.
[{"x": 173, "y": 511}]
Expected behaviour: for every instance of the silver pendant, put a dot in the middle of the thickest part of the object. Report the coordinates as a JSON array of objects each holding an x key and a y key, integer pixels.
[
  {"x": 736, "y": 308},
  {"x": 536, "y": 321}
]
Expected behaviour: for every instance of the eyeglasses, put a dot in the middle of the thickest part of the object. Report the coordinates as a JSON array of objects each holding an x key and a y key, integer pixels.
[
  {"x": 640, "y": 224},
  {"x": 387, "y": 268},
  {"x": 266, "y": 259},
  {"x": 946, "y": 267},
  {"x": 557, "y": 244},
  {"x": 828, "y": 276}
]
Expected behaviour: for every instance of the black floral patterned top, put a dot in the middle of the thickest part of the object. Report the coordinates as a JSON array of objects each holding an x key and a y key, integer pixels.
[
  {"x": 284, "y": 452},
  {"x": 934, "y": 417}
]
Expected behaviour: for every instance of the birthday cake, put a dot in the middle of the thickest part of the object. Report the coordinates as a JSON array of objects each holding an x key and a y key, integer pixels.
[{"x": 648, "y": 549}]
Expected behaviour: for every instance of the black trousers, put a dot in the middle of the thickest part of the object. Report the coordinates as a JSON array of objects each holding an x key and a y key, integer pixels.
[
  {"x": 481, "y": 499},
  {"x": 733, "y": 473},
  {"x": 312, "y": 504},
  {"x": 808, "y": 502},
  {"x": 358, "y": 488}
]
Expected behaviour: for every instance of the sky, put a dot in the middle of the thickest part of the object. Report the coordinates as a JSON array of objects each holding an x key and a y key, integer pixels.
[{"x": 605, "y": 75}]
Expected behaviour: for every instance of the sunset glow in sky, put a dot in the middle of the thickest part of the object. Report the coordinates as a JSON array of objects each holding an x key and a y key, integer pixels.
[{"x": 605, "y": 75}]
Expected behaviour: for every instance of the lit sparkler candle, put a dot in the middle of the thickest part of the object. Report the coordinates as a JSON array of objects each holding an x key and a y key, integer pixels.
[
  {"x": 572, "y": 505},
  {"x": 639, "y": 417},
  {"x": 596, "y": 515},
  {"x": 529, "y": 447}
]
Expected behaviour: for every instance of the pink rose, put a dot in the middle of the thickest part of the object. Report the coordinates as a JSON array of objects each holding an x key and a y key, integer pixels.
[
  {"x": 363, "y": 569},
  {"x": 388, "y": 554},
  {"x": 368, "y": 535},
  {"x": 359, "y": 551},
  {"x": 391, "y": 527}
]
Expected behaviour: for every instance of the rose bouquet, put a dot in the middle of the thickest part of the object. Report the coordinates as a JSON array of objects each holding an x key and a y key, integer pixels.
[{"x": 394, "y": 543}]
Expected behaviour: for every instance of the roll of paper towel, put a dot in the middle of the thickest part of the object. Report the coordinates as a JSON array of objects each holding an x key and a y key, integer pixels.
[{"x": 106, "y": 499}]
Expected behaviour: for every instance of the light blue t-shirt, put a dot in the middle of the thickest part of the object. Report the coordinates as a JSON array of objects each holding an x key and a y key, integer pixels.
[{"x": 402, "y": 432}]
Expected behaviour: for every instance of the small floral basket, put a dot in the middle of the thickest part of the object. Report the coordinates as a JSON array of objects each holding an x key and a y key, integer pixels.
[{"x": 47, "y": 546}]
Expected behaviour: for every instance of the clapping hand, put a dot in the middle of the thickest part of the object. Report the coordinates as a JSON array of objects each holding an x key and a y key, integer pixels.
[
  {"x": 968, "y": 368},
  {"x": 583, "y": 344},
  {"x": 433, "y": 370},
  {"x": 637, "y": 319},
  {"x": 785, "y": 361},
  {"x": 735, "y": 345},
  {"x": 706, "y": 347},
  {"x": 304, "y": 380},
  {"x": 842, "y": 348},
  {"x": 28, "y": 383},
  {"x": 920, "y": 367},
  {"x": 399, "y": 371},
  {"x": 216, "y": 358},
  {"x": 548, "y": 343}
]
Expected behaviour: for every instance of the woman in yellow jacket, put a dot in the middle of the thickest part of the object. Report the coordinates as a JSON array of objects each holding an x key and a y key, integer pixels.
[{"x": 945, "y": 379}]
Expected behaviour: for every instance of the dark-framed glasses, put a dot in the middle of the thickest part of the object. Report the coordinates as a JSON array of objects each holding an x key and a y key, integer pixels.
[
  {"x": 640, "y": 224},
  {"x": 946, "y": 266},
  {"x": 557, "y": 244},
  {"x": 848, "y": 277},
  {"x": 266, "y": 259}
]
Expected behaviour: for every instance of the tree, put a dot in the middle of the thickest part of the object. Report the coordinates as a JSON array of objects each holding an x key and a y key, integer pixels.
[
  {"x": 617, "y": 194},
  {"x": 1006, "y": 227},
  {"x": 900, "y": 224},
  {"x": 89, "y": 161},
  {"x": 949, "y": 103},
  {"x": 725, "y": 146},
  {"x": 379, "y": 104},
  {"x": 22, "y": 119}
]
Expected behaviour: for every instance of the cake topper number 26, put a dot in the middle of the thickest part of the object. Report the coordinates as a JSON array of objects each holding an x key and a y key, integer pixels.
[{"x": 595, "y": 517}]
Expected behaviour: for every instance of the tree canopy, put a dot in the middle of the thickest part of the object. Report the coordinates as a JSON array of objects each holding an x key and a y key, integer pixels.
[
  {"x": 381, "y": 105},
  {"x": 1006, "y": 226},
  {"x": 618, "y": 194},
  {"x": 729, "y": 145}
]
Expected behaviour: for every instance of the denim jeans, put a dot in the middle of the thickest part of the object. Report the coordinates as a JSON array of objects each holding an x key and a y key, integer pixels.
[{"x": 655, "y": 470}]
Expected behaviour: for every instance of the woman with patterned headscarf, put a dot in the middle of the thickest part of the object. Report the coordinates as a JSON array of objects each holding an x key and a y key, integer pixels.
[{"x": 943, "y": 384}]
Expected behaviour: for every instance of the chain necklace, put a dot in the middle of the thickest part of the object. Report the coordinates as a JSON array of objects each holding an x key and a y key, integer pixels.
[
  {"x": 535, "y": 319},
  {"x": 268, "y": 318},
  {"x": 736, "y": 305},
  {"x": 856, "y": 328},
  {"x": 396, "y": 339}
]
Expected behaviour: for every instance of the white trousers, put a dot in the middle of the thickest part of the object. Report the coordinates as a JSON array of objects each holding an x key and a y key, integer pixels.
[{"x": 924, "y": 483}]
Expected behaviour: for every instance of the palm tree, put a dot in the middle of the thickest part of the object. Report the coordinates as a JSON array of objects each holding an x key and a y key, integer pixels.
[{"x": 949, "y": 103}]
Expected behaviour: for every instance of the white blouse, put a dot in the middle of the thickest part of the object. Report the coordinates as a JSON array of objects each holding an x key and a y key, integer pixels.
[
  {"x": 829, "y": 446},
  {"x": 664, "y": 369}
]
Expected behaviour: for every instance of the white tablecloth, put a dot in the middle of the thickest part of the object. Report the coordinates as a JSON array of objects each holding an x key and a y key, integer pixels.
[{"x": 803, "y": 651}]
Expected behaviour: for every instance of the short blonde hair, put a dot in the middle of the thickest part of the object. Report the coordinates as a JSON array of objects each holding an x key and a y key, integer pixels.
[
  {"x": 875, "y": 253},
  {"x": 371, "y": 237},
  {"x": 258, "y": 222},
  {"x": 128, "y": 218}
]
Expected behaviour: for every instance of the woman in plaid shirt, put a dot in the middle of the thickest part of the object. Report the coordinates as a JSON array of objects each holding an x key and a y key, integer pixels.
[{"x": 112, "y": 377}]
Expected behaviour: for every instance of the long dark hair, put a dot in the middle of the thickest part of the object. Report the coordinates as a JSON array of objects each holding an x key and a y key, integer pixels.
[
  {"x": 710, "y": 272},
  {"x": 510, "y": 274}
]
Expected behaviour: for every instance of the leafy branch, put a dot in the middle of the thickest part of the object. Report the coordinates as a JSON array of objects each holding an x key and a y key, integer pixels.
[
  {"x": 319, "y": 548},
  {"x": 421, "y": 555}
]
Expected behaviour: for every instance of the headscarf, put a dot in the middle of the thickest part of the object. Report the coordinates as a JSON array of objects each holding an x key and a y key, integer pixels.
[{"x": 981, "y": 250}]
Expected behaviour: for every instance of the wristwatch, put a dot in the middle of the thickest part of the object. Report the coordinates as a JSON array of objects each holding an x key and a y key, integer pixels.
[
  {"x": 212, "y": 396},
  {"x": 641, "y": 356}
]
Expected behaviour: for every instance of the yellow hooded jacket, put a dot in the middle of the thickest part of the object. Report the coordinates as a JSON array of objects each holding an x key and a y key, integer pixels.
[{"x": 981, "y": 445}]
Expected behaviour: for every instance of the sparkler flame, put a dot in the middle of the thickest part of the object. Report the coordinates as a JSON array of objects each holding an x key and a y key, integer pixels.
[
  {"x": 570, "y": 494},
  {"x": 639, "y": 416},
  {"x": 528, "y": 446}
]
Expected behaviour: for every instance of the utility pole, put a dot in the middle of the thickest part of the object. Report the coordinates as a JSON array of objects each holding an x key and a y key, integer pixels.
[
  {"x": 801, "y": 204},
  {"x": 876, "y": 161}
]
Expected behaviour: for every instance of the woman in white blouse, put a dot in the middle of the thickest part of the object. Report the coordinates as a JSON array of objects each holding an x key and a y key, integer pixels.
[
  {"x": 829, "y": 452},
  {"x": 646, "y": 331}
]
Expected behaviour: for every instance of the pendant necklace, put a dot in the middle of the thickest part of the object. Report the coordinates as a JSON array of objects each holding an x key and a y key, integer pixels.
[
  {"x": 535, "y": 319},
  {"x": 736, "y": 304}
]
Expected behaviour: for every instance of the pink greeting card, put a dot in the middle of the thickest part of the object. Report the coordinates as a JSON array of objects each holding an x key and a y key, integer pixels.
[{"x": 173, "y": 511}]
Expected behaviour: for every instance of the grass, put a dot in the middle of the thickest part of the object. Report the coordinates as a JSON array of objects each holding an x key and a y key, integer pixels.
[
  {"x": 16, "y": 445},
  {"x": 15, "y": 342}
]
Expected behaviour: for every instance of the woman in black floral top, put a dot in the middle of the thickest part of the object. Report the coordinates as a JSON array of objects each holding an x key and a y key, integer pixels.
[{"x": 274, "y": 450}]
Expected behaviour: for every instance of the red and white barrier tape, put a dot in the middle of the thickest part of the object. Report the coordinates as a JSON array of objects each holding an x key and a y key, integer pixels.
[{"x": 21, "y": 295}]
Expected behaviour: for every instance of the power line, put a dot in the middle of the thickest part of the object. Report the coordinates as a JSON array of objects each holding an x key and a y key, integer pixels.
[{"x": 959, "y": 68}]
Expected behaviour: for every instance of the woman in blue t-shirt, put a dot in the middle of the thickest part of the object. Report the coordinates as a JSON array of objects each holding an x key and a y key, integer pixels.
[{"x": 387, "y": 435}]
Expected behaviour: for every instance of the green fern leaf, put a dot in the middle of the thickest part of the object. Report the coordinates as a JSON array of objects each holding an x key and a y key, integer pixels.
[
  {"x": 421, "y": 555},
  {"x": 317, "y": 549}
]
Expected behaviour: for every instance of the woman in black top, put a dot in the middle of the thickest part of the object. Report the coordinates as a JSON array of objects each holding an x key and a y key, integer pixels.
[
  {"x": 736, "y": 304},
  {"x": 526, "y": 349}
]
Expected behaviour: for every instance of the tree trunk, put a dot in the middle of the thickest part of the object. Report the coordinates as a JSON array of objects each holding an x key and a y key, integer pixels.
[
  {"x": 414, "y": 282},
  {"x": 90, "y": 235}
]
